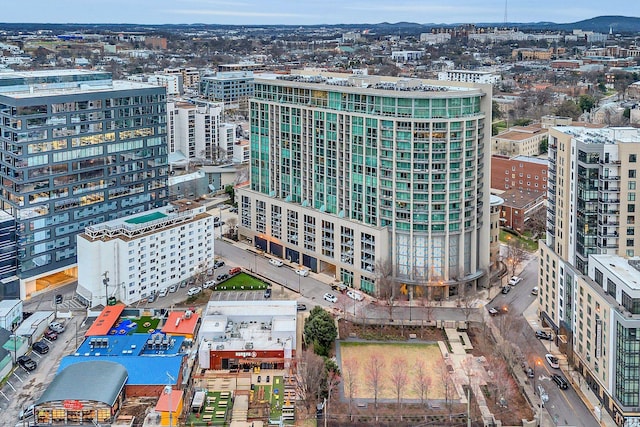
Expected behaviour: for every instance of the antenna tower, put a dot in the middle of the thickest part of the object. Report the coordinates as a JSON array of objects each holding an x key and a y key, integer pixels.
[{"x": 505, "y": 12}]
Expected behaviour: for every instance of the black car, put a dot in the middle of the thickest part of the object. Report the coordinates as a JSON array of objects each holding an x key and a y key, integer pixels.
[
  {"x": 506, "y": 289},
  {"x": 530, "y": 373},
  {"x": 560, "y": 381},
  {"x": 301, "y": 307},
  {"x": 218, "y": 264},
  {"x": 542, "y": 335},
  {"x": 27, "y": 363},
  {"x": 221, "y": 277},
  {"x": 267, "y": 293},
  {"x": 40, "y": 347}
]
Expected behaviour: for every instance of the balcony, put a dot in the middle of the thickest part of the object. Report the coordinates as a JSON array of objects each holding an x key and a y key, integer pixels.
[
  {"x": 610, "y": 162},
  {"x": 609, "y": 178},
  {"x": 609, "y": 211},
  {"x": 608, "y": 200},
  {"x": 609, "y": 222}
]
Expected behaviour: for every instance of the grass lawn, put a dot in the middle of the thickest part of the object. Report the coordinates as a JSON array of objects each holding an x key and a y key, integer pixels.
[
  {"x": 241, "y": 282},
  {"x": 149, "y": 321},
  {"x": 529, "y": 244}
]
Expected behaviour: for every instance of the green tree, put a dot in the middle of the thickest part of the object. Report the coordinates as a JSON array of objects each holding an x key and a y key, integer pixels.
[
  {"x": 320, "y": 331},
  {"x": 586, "y": 102},
  {"x": 495, "y": 110},
  {"x": 231, "y": 191},
  {"x": 544, "y": 145}
]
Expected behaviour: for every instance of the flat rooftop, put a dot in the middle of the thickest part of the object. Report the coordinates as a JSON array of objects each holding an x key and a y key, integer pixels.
[
  {"x": 602, "y": 135},
  {"x": 621, "y": 267}
]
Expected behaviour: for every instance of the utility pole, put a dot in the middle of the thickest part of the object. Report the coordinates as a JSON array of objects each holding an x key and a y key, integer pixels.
[{"x": 105, "y": 281}]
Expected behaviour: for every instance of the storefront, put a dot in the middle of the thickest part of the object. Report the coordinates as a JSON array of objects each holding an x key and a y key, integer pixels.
[{"x": 246, "y": 360}]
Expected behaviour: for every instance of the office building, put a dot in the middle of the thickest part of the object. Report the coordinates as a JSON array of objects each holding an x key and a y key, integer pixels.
[
  {"x": 77, "y": 149},
  {"x": 356, "y": 176},
  {"x": 588, "y": 263},
  {"x": 9, "y": 282},
  {"x": 145, "y": 253}
]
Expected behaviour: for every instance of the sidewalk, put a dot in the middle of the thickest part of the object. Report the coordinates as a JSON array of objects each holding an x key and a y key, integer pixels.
[{"x": 579, "y": 385}]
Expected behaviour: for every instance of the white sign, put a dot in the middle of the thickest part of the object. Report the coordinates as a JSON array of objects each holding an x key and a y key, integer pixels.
[{"x": 246, "y": 354}]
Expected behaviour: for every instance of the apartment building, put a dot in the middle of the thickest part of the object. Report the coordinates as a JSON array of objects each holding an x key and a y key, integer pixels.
[
  {"x": 469, "y": 76},
  {"x": 190, "y": 75},
  {"x": 77, "y": 149},
  {"x": 589, "y": 263},
  {"x": 519, "y": 141},
  {"x": 520, "y": 172},
  {"x": 144, "y": 253},
  {"x": 233, "y": 88},
  {"x": 194, "y": 129},
  {"x": 354, "y": 174}
]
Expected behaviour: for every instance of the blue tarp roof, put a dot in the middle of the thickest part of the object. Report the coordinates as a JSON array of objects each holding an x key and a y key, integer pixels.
[{"x": 142, "y": 370}]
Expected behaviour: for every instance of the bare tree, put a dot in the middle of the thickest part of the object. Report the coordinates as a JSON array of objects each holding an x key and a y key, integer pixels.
[
  {"x": 516, "y": 253},
  {"x": 503, "y": 387},
  {"x": 311, "y": 375},
  {"x": 333, "y": 380},
  {"x": 422, "y": 380},
  {"x": 447, "y": 386},
  {"x": 467, "y": 306},
  {"x": 375, "y": 375},
  {"x": 350, "y": 375},
  {"x": 399, "y": 379},
  {"x": 386, "y": 284}
]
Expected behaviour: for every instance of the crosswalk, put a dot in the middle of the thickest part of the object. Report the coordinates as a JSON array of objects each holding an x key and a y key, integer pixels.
[{"x": 69, "y": 304}]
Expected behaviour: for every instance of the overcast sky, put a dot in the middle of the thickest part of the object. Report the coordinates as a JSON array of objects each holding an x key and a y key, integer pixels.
[{"x": 306, "y": 12}]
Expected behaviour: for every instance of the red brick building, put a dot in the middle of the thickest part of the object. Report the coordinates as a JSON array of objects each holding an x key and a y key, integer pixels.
[
  {"x": 520, "y": 173},
  {"x": 519, "y": 207}
]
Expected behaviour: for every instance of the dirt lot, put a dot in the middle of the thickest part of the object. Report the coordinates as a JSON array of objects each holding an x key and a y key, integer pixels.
[{"x": 390, "y": 355}]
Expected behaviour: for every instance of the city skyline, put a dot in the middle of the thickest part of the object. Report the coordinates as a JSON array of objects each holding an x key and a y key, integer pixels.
[{"x": 251, "y": 12}]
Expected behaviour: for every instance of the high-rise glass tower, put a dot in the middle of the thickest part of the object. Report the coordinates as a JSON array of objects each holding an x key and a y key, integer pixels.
[
  {"x": 363, "y": 176},
  {"x": 76, "y": 148}
]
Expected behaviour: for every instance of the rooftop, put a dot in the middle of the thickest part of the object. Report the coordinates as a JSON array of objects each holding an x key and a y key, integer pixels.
[
  {"x": 602, "y": 135},
  {"x": 516, "y": 198},
  {"x": 622, "y": 268},
  {"x": 531, "y": 159}
]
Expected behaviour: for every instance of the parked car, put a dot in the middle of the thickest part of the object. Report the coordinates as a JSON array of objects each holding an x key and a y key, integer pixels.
[
  {"x": 194, "y": 291},
  {"x": 560, "y": 381},
  {"x": 552, "y": 361},
  {"x": 515, "y": 280},
  {"x": 302, "y": 272},
  {"x": 218, "y": 263},
  {"x": 529, "y": 372},
  {"x": 355, "y": 295},
  {"x": 210, "y": 272},
  {"x": 209, "y": 284},
  {"x": 267, "y": 293},
  {"x": 233, "y": 210},
  {"x": 56, "y": 327},
  {"x": 330, "y": 297},
  {"x": 40, "y": 347},
  {"x": 50, "y": 335},
  {"x": 494, "y": 311},
  {"x": 506, "y": 289},
  {"x": 301, "y": 307},
  {"x": 27, "y": 363},
  {"x": 26, "y": 413},
  {"x": 152, "y": 297},
  {"x": 534, "y": 291},
  {"x": 542, "y": 335},
  {"x": 221, "y": 277},
  {"x": 276, "y": 262},
  {"x": 183, "y": 284},
  {"x": 340, "y": 287},
  {"x": 173, "y": 288},
  {"x": 234, "y": 271},
  {"x": 163, "y": 292}
]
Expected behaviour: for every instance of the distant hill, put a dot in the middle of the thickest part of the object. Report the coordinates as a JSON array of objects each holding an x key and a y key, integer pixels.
[{"x": 601, "y": 24}]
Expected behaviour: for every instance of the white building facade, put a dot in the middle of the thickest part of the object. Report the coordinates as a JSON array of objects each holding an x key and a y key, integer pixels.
[
  {"x": 194, "y": 129},
  {"x": 144, "y": 253}
]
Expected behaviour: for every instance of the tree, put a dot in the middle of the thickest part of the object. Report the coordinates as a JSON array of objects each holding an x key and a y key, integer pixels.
[
  {"x": 350, "y": 372},
  {"x": 333, "y": 379},
  {"x": 467, "y": 306},
  {"x": 386, "y": 284},
  {"x": 586, "y": 102},
  {"x": 311, "y": 375},
  {"x": 374, "y": 378},
  {"x": 496, "y": 113},
  {"x": 399, "y": 378},
  {"x": 320, "y": 331},
  {"x": 568, "y": 108},
  {"x": 231, "y": 191},
  {"x": 422, "y": 380},
  {"x": 516, "y": 253},
  {"x": 544, "y": 145},
  {"x": 447, "y": 386}
]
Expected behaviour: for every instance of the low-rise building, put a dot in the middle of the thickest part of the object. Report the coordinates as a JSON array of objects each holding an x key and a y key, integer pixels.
[
  {"x": 519, "y": 141},
  {"x": 469, "y": 76},
  {"x": 520, "y": 172},
  {"x": 519, "y": 207},
  {"x": 248, "y": 334}
]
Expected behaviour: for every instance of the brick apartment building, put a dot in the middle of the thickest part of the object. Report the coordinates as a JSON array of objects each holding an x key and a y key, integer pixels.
[{"x": 520, "y": 173}]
